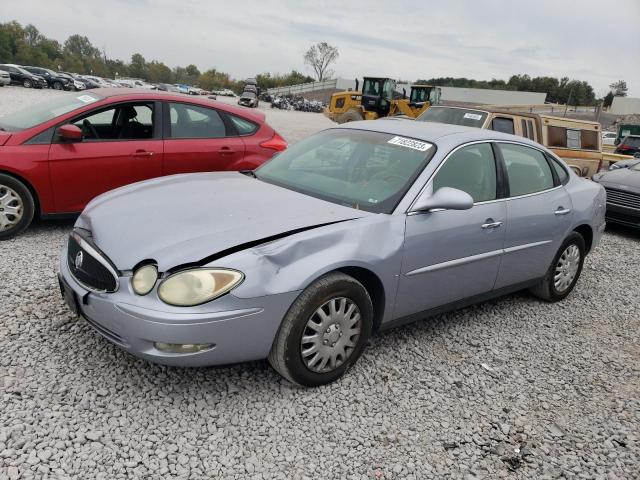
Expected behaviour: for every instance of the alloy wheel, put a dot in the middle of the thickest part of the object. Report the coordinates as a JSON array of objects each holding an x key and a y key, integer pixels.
[
  {"x": 331, "y": 335},
  {"x": 11, "y": 208},
  {"x": 566, "y": 268}
]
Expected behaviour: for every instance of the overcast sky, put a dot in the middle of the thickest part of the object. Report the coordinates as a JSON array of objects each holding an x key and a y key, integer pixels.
[{"x": 597, "y": 41}]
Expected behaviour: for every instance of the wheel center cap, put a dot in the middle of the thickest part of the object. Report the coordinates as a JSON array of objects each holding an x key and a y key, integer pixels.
[{"x": 332, "y": 334}]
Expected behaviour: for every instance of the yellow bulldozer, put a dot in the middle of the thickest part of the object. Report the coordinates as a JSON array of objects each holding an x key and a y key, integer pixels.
[{"x": 378, "y": 99}]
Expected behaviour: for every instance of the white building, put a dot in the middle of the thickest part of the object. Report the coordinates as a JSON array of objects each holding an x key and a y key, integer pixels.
[{"x": 625, "y": 105}]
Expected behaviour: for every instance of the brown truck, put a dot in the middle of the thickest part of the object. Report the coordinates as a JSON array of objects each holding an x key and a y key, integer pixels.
[{"x": 577, "y": 142}]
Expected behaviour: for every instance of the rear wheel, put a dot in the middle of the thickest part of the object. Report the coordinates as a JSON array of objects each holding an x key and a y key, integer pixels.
[
  {"x": 16, "y": 207},
  {"x": 564, "y": 270},
  {"x": 324, "y": 332},
  {"x": 27, "y": 84},
  {"x": 57, "y": 86},
  {"x": 350, "y": 116}
]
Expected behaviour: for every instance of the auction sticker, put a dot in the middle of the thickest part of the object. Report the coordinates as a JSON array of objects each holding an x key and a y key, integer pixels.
[
  {"x": 473, "y": 116},
  {"x": 87, "y": 98},
  {"x": 410, "y": 143}
]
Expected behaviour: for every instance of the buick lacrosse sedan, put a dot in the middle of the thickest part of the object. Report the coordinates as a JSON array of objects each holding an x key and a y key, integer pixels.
[{"x": 354, "y": 230}]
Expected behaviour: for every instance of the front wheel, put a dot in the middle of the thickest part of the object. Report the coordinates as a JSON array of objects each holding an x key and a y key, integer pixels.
[
  {"x": 349, "y": 116},
  {"x": 27, "y": 84},
  {"x": 16, "y": 207},
  {"x": 57, "y": 86},
  {"x": 564, "y": 271},
  {"x": 324, "y": 332}
]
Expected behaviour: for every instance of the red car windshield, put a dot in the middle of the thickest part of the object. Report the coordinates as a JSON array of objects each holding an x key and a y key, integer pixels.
[{"x": 43, "y": 112}]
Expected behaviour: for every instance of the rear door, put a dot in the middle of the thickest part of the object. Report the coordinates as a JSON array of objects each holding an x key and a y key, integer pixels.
[
  {"x": 199, "y": 139},
  {"x": 539, "y": 212},
  {"x": 121, "y": 144}
]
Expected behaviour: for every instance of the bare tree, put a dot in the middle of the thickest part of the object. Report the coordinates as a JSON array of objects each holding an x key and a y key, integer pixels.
[
  {"x": 619, "y": 88},
  {"x": 319, "y": 57}
]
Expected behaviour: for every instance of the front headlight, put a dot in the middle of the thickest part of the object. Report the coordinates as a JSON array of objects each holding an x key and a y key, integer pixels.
[
  {"x": 201, "y": 285},
  {"x": 144, "y": 279}
]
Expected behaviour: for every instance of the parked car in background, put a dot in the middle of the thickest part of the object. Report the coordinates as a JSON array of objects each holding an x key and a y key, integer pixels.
[
  {"x": 356, "y": 229},
  {"x": 609, "y": 138},
  {"x": 629, "y": 145},
  {"x": 624, "y": 163},
  {"x": 625, "y": 129},
  {"x": 623, "y": 195},
  {"x": 55, "y": 81},
  {"x": 136, "y": 83},
  {"x": 5, "y": 78},
  {"x": 20, "y": 76},
  {"x": 577, "y": 142},
  {"x": 167, "y": 87},
  {"x": 88, "y": 83},
  {"x": 74, "y": 84},
  {"x": 98, "y": 80},
  {"x": 55, "y": 157},
  {"x": 248, "y": 99},
  {"x": 183, "y": 88}
]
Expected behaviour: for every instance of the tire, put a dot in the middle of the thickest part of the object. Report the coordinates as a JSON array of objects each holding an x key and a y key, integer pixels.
[
  {"x": 547, "y": 289},
  {"x": 286, "y": 355},
  {"x": 57, "y": 86},
  {"x": 12, "y": 193},
  {"x": 349, "y": 116},
  {"x": 27, "y": 84}
]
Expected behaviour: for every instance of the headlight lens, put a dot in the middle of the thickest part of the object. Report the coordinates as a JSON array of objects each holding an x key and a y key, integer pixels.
[
  {"x": 144, "y": 279},
  {"x": 193, "y": 287}
]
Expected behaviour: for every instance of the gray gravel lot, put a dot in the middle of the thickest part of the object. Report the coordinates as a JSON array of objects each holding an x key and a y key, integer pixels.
[{"x": 513, "y": 388}]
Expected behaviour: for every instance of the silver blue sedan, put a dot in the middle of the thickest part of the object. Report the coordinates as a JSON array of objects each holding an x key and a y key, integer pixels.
[{"x": 354, "y": 230}]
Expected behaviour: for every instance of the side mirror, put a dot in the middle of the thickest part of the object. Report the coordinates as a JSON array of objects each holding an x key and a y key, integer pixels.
[
  {"x": 445, "y": 198},
  {"x": 70, "y": 133}
]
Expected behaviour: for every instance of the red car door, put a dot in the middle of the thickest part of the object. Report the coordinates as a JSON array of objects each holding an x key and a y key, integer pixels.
[
  {"x": 196, "y": 141},
  {"x": 121, "y": 144}
]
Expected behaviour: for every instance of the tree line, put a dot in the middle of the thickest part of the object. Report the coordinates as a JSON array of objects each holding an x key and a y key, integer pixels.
[{"x": 27, "y": 46}]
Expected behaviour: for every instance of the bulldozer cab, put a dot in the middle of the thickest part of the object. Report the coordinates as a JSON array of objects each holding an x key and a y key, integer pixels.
[
  {"x": 377, "y": 94},
  {"x": 424, "y": 93}
]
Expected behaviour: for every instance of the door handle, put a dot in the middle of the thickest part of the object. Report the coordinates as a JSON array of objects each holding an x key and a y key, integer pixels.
[
  {"x": 226, "y": 151},
  {"x": 491, "y": 224},
  {"x": 143, "y": 153},
  {"x": 562, "y": 211}
]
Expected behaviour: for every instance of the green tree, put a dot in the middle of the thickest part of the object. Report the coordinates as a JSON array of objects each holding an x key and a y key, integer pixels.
[{"x": 619, "y": 88}]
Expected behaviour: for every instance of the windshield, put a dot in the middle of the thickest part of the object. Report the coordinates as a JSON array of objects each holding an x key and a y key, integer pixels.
[
  {"x": 454, "y": 116},
  {"x": 249, "y": 94},
  {"x": 364, "y": 170},
  {"x": 43, "y": 112},
  {"x": 636, "y": 167}
]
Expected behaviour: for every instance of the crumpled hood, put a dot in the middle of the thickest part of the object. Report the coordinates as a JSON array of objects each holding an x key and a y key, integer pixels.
[{"x": 185, "y": 218}]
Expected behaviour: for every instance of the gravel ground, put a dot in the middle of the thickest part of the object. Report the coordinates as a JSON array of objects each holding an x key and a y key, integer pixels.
[{"x": 513, "y": 388}]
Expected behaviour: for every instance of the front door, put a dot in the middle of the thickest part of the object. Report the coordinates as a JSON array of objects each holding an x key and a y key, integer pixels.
[
  {"x": 450, "y": 255},
  {"x": 539, "y": 212},
  {"x": 120, "y": 145},
  {"x": 198, "y": 140}
]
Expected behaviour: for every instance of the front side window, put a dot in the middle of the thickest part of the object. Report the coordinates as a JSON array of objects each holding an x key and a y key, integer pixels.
[
  {"x": 454, "y": 116},
  {"x": 503, "y": 124},
  {"x": 193, "y": 121},
  {"x": 122, "y": 122},
  {"x": 471, "y": 169},
  {"x": 361, "y": 169},
  {"x": 527, "y": 169}
]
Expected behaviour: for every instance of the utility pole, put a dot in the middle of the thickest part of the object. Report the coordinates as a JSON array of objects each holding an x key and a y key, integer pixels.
[{"x": 568, "y": 100}]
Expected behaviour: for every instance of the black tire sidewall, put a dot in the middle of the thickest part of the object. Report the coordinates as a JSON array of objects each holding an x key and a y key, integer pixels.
[
  {"x": 576, "y": 239},
  {"x": 27, "y": 202},
  {"x": 293, "y": 358}
]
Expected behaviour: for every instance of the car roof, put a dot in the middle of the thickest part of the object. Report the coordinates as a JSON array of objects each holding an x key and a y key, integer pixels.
[{"x": 433, "y": 132}]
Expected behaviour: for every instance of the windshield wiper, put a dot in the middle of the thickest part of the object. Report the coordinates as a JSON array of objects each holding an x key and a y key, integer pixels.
[{"x": 249, "y": 173}]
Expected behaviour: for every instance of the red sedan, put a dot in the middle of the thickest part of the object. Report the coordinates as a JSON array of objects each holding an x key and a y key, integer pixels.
[{"x": 55, "y": 157}]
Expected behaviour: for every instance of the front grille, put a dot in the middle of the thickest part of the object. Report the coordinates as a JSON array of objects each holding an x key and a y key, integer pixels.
[
  {"x": 89, "y": 267},
  {"x": 623, "y": 199}
]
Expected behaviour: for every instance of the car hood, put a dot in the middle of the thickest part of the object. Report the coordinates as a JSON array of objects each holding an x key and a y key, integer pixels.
[
  {"x": 184, "y": 219},
  {"x": 623, "y": 178}
]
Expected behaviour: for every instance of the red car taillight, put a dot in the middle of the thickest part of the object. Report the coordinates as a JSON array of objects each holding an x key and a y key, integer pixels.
[{"x": 275, "y": 143}]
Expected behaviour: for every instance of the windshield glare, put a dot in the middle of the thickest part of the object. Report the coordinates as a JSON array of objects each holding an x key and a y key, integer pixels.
[
  {"x": 43, "y": 112},
  {"x": 364, "y": 170},
  {"x": 454, "y": 116}
]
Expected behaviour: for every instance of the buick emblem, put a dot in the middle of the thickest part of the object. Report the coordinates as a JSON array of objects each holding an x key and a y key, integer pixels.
[{"x": 79, "y": 259}]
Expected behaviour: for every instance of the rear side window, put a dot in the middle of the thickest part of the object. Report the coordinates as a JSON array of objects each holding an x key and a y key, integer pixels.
[
  {"x": 501, "y": 124},
  {"x": 527, "y": 169},
  {"x": 471, "y": 169},
  {"x": 632, "y": 141},
  {"x": 244, "y": 127},
  {"x": 192, "y": 121},
  {"x": 562, "y": 174}
]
